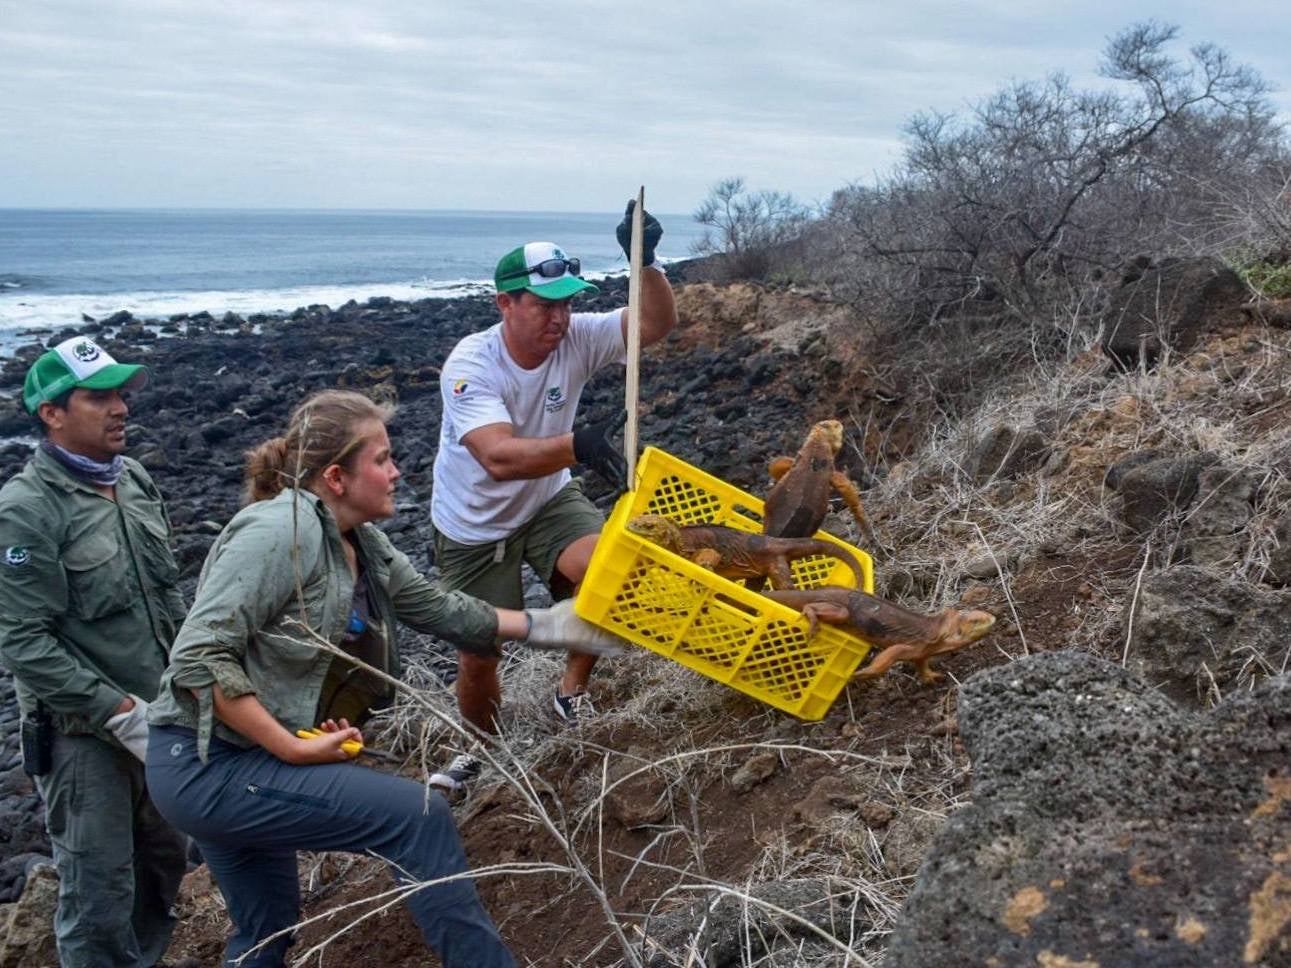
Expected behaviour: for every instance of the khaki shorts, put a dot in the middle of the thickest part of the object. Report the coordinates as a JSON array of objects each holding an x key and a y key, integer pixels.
[{"x": 492, "y": 571}]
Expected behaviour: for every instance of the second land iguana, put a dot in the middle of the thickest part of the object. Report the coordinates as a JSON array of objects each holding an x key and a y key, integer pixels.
[{"x": 733, "y": 553}]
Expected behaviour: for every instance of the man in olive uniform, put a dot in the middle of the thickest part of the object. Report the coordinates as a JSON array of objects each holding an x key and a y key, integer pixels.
[{"x": 89, "y": 606}]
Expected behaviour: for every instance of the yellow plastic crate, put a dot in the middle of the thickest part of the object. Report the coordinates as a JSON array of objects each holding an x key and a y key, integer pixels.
[{"x": 715, "y": 626}]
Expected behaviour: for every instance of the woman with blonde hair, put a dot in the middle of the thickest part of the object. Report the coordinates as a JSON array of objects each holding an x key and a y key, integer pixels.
[{"x": 225, "y": 763}]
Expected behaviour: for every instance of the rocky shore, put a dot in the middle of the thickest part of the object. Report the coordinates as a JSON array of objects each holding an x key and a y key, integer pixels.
[{"x": 222, "y": 384}]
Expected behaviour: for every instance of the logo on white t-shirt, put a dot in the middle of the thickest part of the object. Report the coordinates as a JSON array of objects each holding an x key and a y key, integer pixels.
[
  {"x": 555, "y": 401},
  {"x": 459, "y": 388}
]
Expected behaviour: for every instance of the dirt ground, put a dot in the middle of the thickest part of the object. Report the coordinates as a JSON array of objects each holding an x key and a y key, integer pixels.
[{"x": 553, "y": 920}]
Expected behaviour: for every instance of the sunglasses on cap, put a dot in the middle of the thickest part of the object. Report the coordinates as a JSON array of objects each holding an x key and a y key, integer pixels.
[{"x": 548, "y": 269}]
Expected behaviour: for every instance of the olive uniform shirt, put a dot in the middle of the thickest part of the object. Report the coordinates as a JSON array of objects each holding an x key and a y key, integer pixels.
[
  {"x": 275, "y": 581},
  {"x": 89, "y": 602}
]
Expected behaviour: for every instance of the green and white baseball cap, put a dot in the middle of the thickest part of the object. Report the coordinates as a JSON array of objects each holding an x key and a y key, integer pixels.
[
  {"x": 543, "y": 269},
  {"x": 78, "y": 363}
]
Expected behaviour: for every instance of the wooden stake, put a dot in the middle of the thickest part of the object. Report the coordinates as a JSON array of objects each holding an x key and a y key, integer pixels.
[{"x": 634, "y": 339}]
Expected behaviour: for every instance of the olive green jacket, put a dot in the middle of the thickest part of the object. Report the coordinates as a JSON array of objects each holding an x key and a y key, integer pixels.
[
  {"x": 277, "y": 571},
  {"x": 89, "y": 603}
]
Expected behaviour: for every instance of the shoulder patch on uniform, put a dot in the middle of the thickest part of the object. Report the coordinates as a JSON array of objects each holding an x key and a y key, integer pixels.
[
  {"x": 459, "y": 387},
  {"x": 15, "y": 556}
]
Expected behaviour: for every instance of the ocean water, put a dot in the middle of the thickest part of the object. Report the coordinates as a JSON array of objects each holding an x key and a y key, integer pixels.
[{"x": 56, "y": 265}]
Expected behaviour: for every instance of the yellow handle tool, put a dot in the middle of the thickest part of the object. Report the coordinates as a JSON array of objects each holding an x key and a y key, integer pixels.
[{"x": 352, "y": 747}]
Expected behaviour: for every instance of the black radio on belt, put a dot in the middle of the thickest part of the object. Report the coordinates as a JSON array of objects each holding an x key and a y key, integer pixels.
[{"x": 37, "y": 742}]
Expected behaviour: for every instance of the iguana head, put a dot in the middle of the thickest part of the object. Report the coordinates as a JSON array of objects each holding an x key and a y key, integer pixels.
[
  {"x": 828, "y": 432},
  {"x": 655, "y": 527},
  {"x": 968, "y": 627}
]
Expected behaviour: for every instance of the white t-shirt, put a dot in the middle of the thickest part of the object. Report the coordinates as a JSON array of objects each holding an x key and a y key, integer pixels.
[{"x": 482, "y": 385}]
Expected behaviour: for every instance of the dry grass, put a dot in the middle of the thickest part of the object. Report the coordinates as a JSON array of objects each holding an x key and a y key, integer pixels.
[
  {"x": 942, "y": 534},
  {"x": 1230, "y": 397},
  {"x": 420, "y": 726}
]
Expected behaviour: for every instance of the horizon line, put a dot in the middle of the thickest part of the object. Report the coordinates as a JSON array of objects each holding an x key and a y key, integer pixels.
[{"x": 303, "y": 210}]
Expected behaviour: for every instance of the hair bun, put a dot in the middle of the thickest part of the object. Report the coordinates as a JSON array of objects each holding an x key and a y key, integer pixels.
[{"x": 266, "y": 469}]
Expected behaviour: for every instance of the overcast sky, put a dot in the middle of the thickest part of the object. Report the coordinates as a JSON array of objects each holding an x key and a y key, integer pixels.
[{"x": 520, "y": 105}]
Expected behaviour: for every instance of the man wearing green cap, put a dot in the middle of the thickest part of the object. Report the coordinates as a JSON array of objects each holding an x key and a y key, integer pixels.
[
  {"x": 89, "y": 606},
  {"x": 503, "y": 494}
]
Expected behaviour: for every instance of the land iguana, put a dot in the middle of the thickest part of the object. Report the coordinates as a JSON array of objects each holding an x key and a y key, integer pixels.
[
  {"x": 799, "y": 500},
  {"x": 901, "y": 633},
  {"x": 738, "y": 554}
]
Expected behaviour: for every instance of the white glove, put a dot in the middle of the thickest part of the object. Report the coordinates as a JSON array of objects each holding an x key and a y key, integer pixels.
[
  {"x": 559, "y": 629},
  {"x": 131, "y": 728}
]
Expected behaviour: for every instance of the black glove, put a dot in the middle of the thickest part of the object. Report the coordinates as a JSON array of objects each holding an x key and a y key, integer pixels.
[
  {"x": 592, "y": 449},
  {"x": 651, "y": 233}
]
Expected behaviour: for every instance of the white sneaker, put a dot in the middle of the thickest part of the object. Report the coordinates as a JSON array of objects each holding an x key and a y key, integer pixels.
[{"x": 459, "y": 774}]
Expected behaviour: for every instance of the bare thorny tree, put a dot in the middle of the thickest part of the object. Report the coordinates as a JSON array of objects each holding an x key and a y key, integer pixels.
[
  {"x": 747, "y": 232},
  {"x": 1046, "y": 189}
]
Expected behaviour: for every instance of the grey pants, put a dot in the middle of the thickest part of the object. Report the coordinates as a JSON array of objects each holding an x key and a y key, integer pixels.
[
  {"x": 119, "y": 863},
  {"x": 250, "y": 812}
]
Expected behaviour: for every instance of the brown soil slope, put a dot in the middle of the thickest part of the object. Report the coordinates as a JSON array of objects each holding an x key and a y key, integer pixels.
[{"x": 685, "y": 791}]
